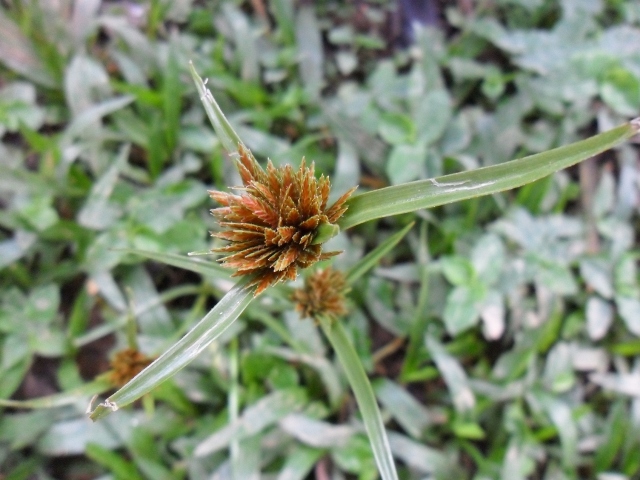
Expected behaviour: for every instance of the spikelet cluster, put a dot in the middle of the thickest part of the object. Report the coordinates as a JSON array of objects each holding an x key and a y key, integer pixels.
[
  {"x": 272, "y": 221},
  {"x": 323, "y": 294},
  {"x": 125, "y": 365}
]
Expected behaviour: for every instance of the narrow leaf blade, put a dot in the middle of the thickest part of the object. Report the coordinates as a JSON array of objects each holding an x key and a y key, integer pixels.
[
  {"x": 212, "y": 325},
  {"x": 483, "y": 181},
  {"x": 229, "y": 138},
  {"x": 203, "y": 267},
  {"x": 61, "y": 399},
  {"x": 364, "y": 396}
]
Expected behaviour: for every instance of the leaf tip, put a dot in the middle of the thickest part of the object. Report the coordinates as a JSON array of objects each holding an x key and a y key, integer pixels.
[{"x": 103, "y": 409}]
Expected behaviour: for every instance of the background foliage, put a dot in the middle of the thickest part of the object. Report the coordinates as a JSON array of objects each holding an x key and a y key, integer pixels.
[{"x": 502, "y": 334}]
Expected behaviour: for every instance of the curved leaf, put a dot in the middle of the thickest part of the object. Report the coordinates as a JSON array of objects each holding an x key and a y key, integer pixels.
[
  {"x": 365, "y": 397},
  {"x": 182, "y": 352},
  {"x": 221, "y": 125},
  {"x": 203, "y": 267},
  {"x": 96, "y": 387},
  {"x": 482, "y": 181}
]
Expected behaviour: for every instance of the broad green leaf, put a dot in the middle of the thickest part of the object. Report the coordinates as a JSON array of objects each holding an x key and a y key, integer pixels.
[
  {"x": 182, "y": 352},
  {"x": 621, "y": 91},
  {"x": 98, "y": 212},
  {"x": 483, "y": 181},
  {"x": 558, "y": 372},
  {"x": 629, "y": 310},
  {"x": 458, "y": 270},
  {"x": 15, "y": 247},
  {"x": 363, "y": 392},
  {"x": 599, "y": 317},
  {"x": 18, "y": 53},
  {"x": 326, "y": 370},
  {"x": 453, "y": 374},
  {"x": 262, "y": 414},
  {"x": 470, "y": 430},
  {"x": 463, "y": 307},
  {"x": 299, "y": 462},
  {"x": 309, "y": 40},
  {"x": 408, "y": 412},
  {"x": 92, "y": 114},
  {"x": 356, "y": 457},
  {"x": 316, "y": 433},
  {"x": 561, "y": 415},
  {"x": 406, "y": 163},
  {"x": 19, "y": 430},
  {"x": 396, "y": 128},
  {"x": 597, "y": 273},
  {"x": 432, "y": 116},
  {"x": 116, "y": 463},
  {"x": 423, "y": 458}
]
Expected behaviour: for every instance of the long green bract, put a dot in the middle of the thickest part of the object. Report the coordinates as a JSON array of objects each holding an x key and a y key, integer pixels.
[
  {"x": 203, "y": 267},
  {"x": 227, "y": 135},
  {"x": 365, "y": 397},
  {"x": 432, "y": 192},
  {"x": 212, "y": 325}
]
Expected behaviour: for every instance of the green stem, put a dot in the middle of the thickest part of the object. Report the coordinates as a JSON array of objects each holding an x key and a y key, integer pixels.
[
  {"x": 432, "y": 192},
  {"x": 365, "y": 397}
]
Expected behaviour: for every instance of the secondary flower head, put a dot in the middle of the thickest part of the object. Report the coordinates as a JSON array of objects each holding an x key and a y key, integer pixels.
[
  {"x": 126, "y": 364},
  {"x": 272, "y": 223},
  {"x": 322, "y": 294}
]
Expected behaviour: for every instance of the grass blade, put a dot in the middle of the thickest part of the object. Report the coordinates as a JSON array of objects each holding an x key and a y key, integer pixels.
[
  {"x": 181, "y": 353},
  {"x": 428, "y": 193},
  {"x": 364, "y": 396},
  {"x": 96, "y": 387},
  {"x": 373, "y": 257},
  {"x": 203, "y": 267},
  {"x": 221, "y": 125}
]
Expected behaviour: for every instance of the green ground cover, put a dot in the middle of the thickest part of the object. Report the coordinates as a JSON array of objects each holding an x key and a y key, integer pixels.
[{"x": 501, "y": 333}]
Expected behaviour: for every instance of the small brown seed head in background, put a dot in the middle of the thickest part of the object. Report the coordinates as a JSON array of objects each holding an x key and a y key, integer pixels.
[
  {"x": 126, "y": 364},
  {"x": 323, "y": 294}
]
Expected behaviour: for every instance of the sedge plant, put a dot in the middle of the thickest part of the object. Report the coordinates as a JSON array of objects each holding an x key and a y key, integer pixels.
[{"x": 276, "y": 224}]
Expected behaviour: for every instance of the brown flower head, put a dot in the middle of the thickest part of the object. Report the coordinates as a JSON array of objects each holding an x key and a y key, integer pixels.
[
  {"x": 126, "y": 364},
  {"x": 271, "y": 225},
  {"x": 322, "y": 294}
]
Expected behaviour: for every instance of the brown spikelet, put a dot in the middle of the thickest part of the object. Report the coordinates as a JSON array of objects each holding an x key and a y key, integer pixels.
[
  {"x": 271, "y": 224},
  {"x": 126, "y": 364},
  {"x": 322, "y": 295}
]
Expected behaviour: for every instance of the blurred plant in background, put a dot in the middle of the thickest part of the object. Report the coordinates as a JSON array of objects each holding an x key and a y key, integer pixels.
[{"x": 503, "y": 331}]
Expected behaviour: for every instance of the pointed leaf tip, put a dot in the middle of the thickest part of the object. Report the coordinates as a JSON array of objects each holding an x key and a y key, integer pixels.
[{"x": 227, "y": 135}]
